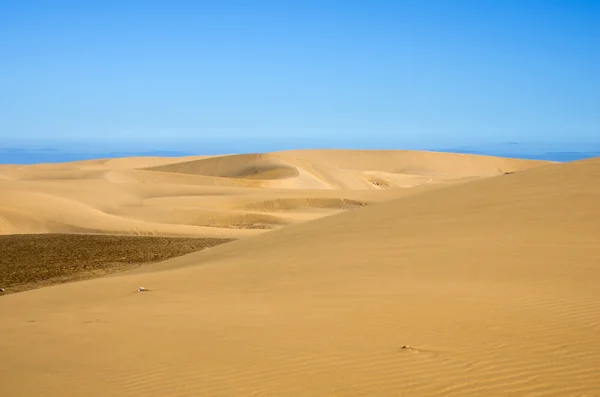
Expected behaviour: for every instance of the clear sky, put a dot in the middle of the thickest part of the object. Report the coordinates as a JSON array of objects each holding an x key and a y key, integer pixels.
[{"x": 282, "y": 74}]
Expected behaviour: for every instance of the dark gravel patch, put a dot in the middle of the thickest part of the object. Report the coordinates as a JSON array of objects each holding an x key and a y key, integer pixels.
[{"x": 35, "y": 260}]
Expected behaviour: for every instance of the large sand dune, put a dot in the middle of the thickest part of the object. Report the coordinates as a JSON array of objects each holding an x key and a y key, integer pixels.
[
  {"x": 478, "y": 283},
  {"x": 219, "y": 196}
]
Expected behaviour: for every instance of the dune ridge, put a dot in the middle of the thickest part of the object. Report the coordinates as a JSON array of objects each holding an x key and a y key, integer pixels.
[
  {"x": 481, "y": 288},
  {"x": 174, "y": 196}
]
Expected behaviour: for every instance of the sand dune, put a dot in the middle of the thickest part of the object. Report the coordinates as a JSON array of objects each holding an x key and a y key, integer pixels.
[
  {"x": 202, "y": 196},
  {"x": 487, "y": 287},
  {"x": 248, "y": 166}
]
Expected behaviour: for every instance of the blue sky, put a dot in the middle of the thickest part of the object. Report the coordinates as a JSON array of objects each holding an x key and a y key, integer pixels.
[{"x": 272, "y": 75}]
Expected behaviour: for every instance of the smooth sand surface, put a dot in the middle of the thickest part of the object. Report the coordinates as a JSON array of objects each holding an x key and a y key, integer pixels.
[{"x": 485, "y": 286}]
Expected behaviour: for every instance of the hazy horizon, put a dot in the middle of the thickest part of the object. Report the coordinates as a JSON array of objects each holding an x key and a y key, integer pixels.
[{"x": 66, "y": 152}]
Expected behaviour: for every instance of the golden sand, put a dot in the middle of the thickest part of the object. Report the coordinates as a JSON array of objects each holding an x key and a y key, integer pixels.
[{"x": 453, "y": 275}]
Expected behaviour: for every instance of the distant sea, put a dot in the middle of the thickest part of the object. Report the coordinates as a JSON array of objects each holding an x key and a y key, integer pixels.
[
  {"x": 37, "y": 156},
  {"x": 562, "y": 157},
  {"x": 17, "y": 155}
]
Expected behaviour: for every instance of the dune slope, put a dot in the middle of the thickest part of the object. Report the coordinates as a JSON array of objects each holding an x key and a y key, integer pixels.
[{"x": 484, "y": 288}]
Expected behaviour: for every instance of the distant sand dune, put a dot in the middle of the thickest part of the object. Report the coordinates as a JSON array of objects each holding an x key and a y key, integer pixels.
[
  {"x": 248, "y": 166},
  {"x": 121, "y": 195}
]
